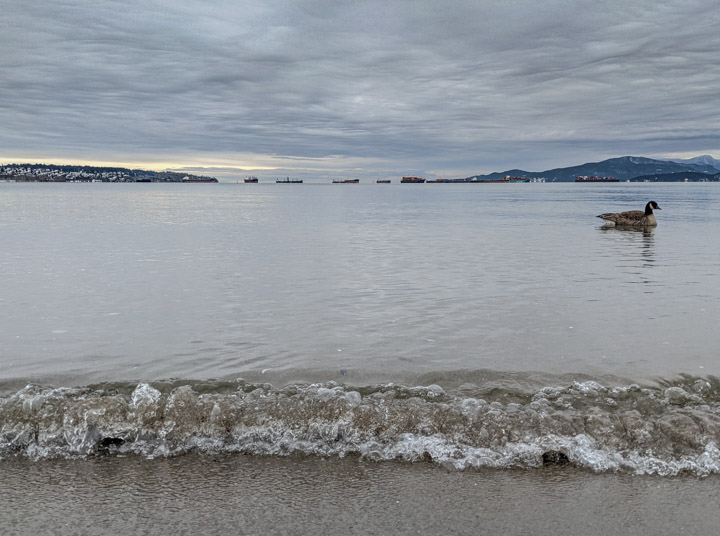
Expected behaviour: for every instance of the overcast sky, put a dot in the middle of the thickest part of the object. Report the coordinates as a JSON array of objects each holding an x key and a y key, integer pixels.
[{"x": 332, "y": 88}]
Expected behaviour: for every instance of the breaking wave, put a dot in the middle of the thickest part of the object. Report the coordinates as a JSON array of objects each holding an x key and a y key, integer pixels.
[{"x": 667, "y": 429}]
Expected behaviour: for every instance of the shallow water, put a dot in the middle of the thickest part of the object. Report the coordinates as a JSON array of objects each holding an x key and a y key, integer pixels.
[
  {"x": 472, "y": 325},
  {"x": 143, "y": 282}
]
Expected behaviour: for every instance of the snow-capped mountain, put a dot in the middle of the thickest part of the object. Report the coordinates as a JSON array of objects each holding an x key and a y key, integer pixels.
[{"x": 705, "y": 159}]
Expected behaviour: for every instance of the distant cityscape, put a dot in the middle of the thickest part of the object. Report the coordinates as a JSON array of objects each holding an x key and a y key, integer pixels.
[{"x": 57, "y": 173}]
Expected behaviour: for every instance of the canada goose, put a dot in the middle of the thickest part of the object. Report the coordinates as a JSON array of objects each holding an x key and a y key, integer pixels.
[{"x": 633, "y": 218}]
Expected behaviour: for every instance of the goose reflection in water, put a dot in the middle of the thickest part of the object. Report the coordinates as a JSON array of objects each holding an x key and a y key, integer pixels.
[{"x": 626, "y": 244}]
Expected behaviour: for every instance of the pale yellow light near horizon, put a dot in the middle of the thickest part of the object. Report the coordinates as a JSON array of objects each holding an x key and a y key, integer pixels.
[
  {"x": 218, "y": 164},
  {"x": 149, "y": 165}
]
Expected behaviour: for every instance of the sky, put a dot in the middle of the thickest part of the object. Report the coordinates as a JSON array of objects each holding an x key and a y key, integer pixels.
[{"x": 320, "y": 89}]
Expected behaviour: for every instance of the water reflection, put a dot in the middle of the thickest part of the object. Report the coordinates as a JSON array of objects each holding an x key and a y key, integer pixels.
[
  {"x": 634, "y": 249},
  {"x": 123, "y": 283}
]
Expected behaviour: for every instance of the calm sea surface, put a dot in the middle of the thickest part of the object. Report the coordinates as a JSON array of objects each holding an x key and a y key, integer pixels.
[
  {"x": 105, "y": 282},
  {"x": 286, "y": 357}
]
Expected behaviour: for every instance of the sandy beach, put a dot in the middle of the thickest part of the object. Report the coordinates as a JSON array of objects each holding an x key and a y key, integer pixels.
[{"x": 307, "y": 495}]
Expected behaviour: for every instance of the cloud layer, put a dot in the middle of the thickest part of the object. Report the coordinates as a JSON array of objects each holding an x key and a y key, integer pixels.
[{"x": 363, "y": 88}]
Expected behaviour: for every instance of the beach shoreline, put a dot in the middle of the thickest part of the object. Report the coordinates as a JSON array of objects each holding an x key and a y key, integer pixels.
[{"x": 242, "y": 494}]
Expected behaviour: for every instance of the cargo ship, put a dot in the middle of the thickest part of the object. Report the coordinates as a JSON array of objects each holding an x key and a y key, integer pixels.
[
  {"x": 347, "y": 181},
  {"x": 251, "y": 179},
  {"x": 505, "y": 180},
  {"x": 586, "y": 178},
  {"x": 288, "y": 181},
  {"x": 189, "y": 180},
  {"x": 383, "y": 181},
  {"x": 412, "y": 180}
]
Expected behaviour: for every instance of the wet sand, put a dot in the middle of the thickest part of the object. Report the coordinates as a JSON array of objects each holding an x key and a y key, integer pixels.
[{"x": 306, "y": 495}]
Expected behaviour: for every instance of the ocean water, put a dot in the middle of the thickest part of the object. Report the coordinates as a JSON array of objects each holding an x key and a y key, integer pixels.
[{"x": 470, "y": 326}]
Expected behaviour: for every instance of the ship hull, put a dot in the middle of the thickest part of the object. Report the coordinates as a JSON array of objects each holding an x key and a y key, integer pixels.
[{"x": 596, "y": 179}]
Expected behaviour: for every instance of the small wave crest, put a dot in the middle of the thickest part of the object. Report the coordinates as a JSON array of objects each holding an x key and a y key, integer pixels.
[{"x": 664, "y": 430}]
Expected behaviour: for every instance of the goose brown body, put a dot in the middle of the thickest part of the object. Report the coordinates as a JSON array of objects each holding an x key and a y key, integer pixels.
[{"x": 633, "y": 218}]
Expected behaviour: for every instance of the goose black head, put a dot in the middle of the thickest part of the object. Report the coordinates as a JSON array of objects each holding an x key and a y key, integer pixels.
[{"x": 650, "y": 206}]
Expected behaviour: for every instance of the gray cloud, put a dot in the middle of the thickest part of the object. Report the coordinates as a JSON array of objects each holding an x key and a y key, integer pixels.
[{"x": 365, "y": 86}]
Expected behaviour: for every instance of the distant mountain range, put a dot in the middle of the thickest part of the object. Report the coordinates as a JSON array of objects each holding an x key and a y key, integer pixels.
[
  {"x": 55, "y": 173},
  {"x": 625, "y": 168},
  {"x": 704, "y": 159}
]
